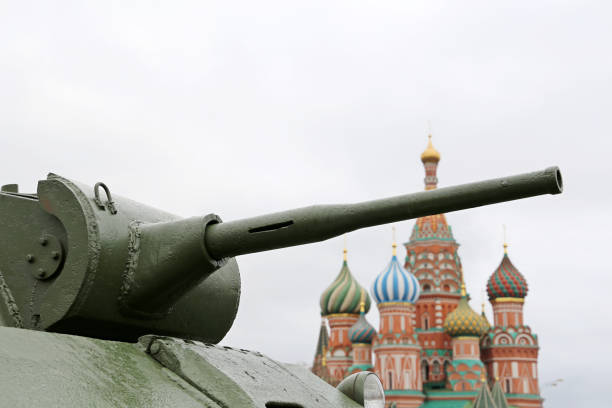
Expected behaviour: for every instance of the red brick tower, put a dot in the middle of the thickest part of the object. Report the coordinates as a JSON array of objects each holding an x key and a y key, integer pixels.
[
  {"x": 340, "y": 305},
  {"x": 431, "y": 255},
  {"x": 510, "y": 350},
  {"x": 397, "y": 349}
]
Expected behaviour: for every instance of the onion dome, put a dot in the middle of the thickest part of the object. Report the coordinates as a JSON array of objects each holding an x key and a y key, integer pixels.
[
  {"x": 430, "y": 154},
  {"x": 506, "y": 281},
  {"x": 344, "y": 294},
  {"x": 395, "y": 284},
  {"x": 463, "y": 321},
  {"x": 361, "y": 331}
]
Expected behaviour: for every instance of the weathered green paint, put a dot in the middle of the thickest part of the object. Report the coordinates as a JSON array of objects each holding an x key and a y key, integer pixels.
[
  {"x": 53, "y": 370},
  {"x": 242, "y": 378},
  {"x": 10, "y": 188},
  {"x": 56, "y": 370}
]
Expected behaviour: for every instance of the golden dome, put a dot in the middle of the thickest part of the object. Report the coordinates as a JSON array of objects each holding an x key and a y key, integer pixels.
[
  {"x": 430, "y": 154},
  {"x": 463, "y": 321}
]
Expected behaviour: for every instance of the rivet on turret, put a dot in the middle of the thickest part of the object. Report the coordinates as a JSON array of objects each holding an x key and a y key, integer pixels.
[
  {"x": 55, "y": 255},
  {"x": 30, "y": 258},
  {"x": 43, "y": 241},
  {"x": 41, "y": 273}
]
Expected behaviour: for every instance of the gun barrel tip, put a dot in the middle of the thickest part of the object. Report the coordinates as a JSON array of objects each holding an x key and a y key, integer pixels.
[{"x": 557, "y": 185}]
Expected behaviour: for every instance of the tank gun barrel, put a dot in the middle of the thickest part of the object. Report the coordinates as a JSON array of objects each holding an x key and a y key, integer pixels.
[
  {"x": 321, "y": 222},
  {"x": 108, "y": 267}
]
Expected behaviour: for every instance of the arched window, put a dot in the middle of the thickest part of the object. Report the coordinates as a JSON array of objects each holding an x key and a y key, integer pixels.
[
  {"x": 425, "y": 368},
  {"x": 426, "y": 288},
  {"x": 446, "y": 288},
  {"x": 390, "y": 374},
  {"x": 436, "y": 368},
  {"x": 425, "y": 321},
  {"x": 508, "y": 386}
]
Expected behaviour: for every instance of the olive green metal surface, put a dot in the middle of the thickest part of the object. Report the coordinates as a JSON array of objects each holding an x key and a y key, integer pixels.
[
  {"x": 51, "y": 370},
  {"x": 99, "y": 291},
  {"x": 55, "y": 370}
]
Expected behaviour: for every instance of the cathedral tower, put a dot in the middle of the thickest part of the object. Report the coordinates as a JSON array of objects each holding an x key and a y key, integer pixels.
[
  {"x": 431, "y": 255},
  {"x": 361, "y": 335},
  {"x": 396, "y": 346},
  {"x": 510, "y": 349},
  {"x": 465, "y": 326},
  {"x": 340, "y": 305}
]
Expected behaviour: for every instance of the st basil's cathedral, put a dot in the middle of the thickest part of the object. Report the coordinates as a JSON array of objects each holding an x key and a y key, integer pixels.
[{"x": 432, "y": 350}]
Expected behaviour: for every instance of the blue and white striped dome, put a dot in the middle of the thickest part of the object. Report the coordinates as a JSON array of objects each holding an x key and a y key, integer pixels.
[{"x": 395, "y": 284}]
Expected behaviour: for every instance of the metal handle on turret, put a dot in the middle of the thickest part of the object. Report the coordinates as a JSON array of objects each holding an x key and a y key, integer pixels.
[{"x": 321, "y": 222}]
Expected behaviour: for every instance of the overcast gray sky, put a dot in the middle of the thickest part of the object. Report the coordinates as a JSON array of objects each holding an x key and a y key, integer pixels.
[{"x": 242, "y": 108}]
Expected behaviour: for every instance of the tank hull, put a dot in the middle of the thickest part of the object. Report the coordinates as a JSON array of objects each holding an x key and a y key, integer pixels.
[{"x": 41, "y": 369}]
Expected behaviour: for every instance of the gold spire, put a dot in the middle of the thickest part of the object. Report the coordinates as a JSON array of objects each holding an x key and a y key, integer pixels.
[
  {"x": 362, "y": 303},
  {"x": 482, "y": 301},
  {"x": 344, "y": 251},
  {"x": 394, "y": 244},
  {"x": 463, "y": 293},
  {"x": 430, "y": 153},
  {"x": 505, "y": 241},
  {"x": 482, "y": 377}
]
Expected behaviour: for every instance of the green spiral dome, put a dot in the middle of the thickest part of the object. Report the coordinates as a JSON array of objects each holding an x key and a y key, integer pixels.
[{"x": 344, "y": 294}]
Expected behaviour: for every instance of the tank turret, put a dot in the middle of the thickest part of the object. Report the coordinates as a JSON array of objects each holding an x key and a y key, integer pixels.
[{"x": 77, "y": 260}]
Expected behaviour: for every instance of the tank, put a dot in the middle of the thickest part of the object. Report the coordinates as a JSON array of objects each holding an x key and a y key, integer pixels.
[{"x": 108, "y": 302}]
